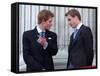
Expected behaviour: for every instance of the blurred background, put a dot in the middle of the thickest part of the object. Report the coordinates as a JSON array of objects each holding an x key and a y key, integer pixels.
[{"x": 28, "y": 20}]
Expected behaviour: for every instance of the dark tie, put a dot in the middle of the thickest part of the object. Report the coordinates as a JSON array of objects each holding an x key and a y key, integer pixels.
[{"x": 42, "y": 34}]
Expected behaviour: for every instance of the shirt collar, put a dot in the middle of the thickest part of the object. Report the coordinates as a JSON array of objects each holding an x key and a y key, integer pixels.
[
  {"x": 39, "y": 29},
  {"x": 79, "y": 25}
]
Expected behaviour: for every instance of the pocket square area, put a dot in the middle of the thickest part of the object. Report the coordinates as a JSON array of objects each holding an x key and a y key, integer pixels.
[{"x": 49, "y": 38}]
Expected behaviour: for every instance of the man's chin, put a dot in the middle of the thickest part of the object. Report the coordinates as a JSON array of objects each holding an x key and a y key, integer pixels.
[
  {"x": 73, "y": 26},
  {"x": 48, "y": 29}
]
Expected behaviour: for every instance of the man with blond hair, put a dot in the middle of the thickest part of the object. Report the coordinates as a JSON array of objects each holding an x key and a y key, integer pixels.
[{"x": 40, "y": 44}]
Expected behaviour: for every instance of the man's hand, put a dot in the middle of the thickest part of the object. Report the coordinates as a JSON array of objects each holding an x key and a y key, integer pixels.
[{"x": 42, "y": 40}]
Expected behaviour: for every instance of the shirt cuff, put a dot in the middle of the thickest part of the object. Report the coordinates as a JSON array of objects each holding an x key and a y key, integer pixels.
[{"x": 46, "y": 45}]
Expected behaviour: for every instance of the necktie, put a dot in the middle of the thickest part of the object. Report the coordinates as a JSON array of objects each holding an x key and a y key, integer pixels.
[
  {"x": 75, "y": 32},
  {"x": 42, "y": 34}
]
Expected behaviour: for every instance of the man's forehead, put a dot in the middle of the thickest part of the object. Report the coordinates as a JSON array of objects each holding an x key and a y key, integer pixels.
[{"x": 69, "y": 16}]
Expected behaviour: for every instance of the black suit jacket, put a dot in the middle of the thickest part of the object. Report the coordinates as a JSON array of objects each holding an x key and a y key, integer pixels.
[
  {"x": 35, "y": 57},
  {"x": 81, "y": 48}
]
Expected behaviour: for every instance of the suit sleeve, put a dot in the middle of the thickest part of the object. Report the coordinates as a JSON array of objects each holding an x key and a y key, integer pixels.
[
  {"x": 52, "y": 45},
  {"x": 29, "y": 60},
  {"x": 88, "y": 43}
]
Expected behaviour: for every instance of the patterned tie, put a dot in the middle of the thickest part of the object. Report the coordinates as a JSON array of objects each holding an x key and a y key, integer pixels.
[{"x": 42, "y": 34}]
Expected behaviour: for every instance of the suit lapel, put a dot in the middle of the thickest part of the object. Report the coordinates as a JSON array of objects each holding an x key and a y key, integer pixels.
[
  {"x": 46, "y": 34},
  {"x": 71, "y": 39},
  {"x": 74, "y": 41},
  {"x": 35, "y": 33},
  {"x": 35, "y": 37}
]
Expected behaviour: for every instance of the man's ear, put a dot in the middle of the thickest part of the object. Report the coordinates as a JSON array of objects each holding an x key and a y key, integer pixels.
[{"x": 43, "y": 20}]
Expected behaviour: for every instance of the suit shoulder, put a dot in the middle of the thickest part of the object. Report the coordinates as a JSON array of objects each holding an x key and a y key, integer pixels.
[
  {"x": 27, "y": 32},
  {"x": 53, "y": 33},
  {"x": 86, "y": 30}
]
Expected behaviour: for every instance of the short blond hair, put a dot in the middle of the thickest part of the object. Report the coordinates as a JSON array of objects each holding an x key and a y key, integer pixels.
[{"x": 44, "y": 15}]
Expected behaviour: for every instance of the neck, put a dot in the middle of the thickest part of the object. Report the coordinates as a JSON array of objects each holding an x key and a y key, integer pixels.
[
  {"x": 41, "y": 27},
  {"x": 78, "y": 22}
]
